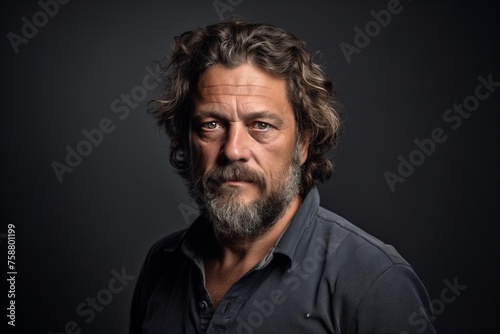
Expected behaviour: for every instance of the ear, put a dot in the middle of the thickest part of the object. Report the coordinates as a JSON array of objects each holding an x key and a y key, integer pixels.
[{"x": 304, "y": 146}]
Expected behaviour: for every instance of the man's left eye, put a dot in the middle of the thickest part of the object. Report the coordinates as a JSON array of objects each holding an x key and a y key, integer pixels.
[{"x": 261, "y": 126}]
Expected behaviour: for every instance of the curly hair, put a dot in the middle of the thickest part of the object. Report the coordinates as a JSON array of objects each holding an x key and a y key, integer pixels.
[{"x": 235, "y": 42}]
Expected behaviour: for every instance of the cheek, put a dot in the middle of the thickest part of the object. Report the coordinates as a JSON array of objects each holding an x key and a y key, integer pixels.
[
  {"x": 204, "y": 156},
  {"x": 279, "y": 162}
]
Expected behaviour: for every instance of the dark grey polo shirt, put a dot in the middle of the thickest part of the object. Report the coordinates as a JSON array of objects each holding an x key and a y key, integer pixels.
[{"x": 323, "y": 276}]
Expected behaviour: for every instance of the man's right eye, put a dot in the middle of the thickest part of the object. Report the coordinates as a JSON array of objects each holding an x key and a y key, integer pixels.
[{"x": 210, "y": 125}]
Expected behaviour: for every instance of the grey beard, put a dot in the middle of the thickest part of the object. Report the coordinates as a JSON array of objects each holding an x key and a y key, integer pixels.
[{"x": 232, "y": 219}]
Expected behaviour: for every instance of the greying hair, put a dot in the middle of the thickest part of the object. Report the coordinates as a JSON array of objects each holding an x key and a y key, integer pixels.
[{"x": 235, "y": 42}]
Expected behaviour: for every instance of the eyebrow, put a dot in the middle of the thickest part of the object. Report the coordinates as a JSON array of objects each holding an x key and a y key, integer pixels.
[{"x": 198, "y": 116}]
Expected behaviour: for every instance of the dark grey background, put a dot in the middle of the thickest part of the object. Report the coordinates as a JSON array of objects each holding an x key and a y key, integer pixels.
[{"x": 124, "y": 196}]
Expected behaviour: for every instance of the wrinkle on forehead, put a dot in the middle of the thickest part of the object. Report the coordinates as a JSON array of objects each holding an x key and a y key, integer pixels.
[
  {"x": 245, "y": 88},
  {"x": 250, "y": 83},
  {"x": 238, "y": 90}
]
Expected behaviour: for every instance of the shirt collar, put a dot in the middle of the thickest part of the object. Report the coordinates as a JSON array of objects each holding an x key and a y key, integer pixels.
[
  {"x": 301, "y": 221},
  {"x": 189, "y": 237}
]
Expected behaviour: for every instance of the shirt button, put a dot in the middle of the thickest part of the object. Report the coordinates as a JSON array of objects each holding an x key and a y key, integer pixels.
[{"x": 203, "y": 305}]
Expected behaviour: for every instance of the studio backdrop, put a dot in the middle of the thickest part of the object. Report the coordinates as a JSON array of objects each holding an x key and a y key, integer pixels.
[{"x": 86, "y": 185}]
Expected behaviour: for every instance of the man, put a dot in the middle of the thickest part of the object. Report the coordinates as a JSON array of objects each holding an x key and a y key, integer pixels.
[{"x": 250, "y": 117}]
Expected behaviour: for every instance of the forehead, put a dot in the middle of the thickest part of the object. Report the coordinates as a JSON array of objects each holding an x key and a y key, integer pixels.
[{"x": 243, "y": 84}]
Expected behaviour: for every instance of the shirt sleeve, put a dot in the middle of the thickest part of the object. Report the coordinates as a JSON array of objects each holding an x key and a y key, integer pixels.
[
  {"x": 137, "y": 299},
  {"x": 396, "y": 302},
  {"x": 151, "y": 272},
  {"x": 154, "y": 267}
]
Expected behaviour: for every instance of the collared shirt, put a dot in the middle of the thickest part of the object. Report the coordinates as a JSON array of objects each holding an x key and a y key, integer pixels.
[{"x": 324, "y": 275}]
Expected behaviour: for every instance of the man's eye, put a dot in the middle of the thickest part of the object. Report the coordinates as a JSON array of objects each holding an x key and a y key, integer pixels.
[
  {"x": 210, "y": 125},
  {"x": 261, "y": 126}
]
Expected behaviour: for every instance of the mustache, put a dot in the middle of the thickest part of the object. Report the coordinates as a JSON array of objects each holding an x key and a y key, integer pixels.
[{"x": 233, "y": 172}]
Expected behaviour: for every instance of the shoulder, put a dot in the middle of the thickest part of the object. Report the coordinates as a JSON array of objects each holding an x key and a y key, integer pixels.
[
  {"x": 169, "y": 242},
  {"x": 371, "y": 280},
  {"x": 353, "y": 243},
  {"x": 355, "y": 260},
  {"x": 161, "y": 253},
  {"x": 155, "y": 266}
]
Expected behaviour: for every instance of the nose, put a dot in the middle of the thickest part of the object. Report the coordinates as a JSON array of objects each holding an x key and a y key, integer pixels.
[{"x": 236, "y": 146}]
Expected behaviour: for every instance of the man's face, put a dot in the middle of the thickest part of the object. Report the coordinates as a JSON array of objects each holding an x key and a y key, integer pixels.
[{"x": 245, "y": 154}]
